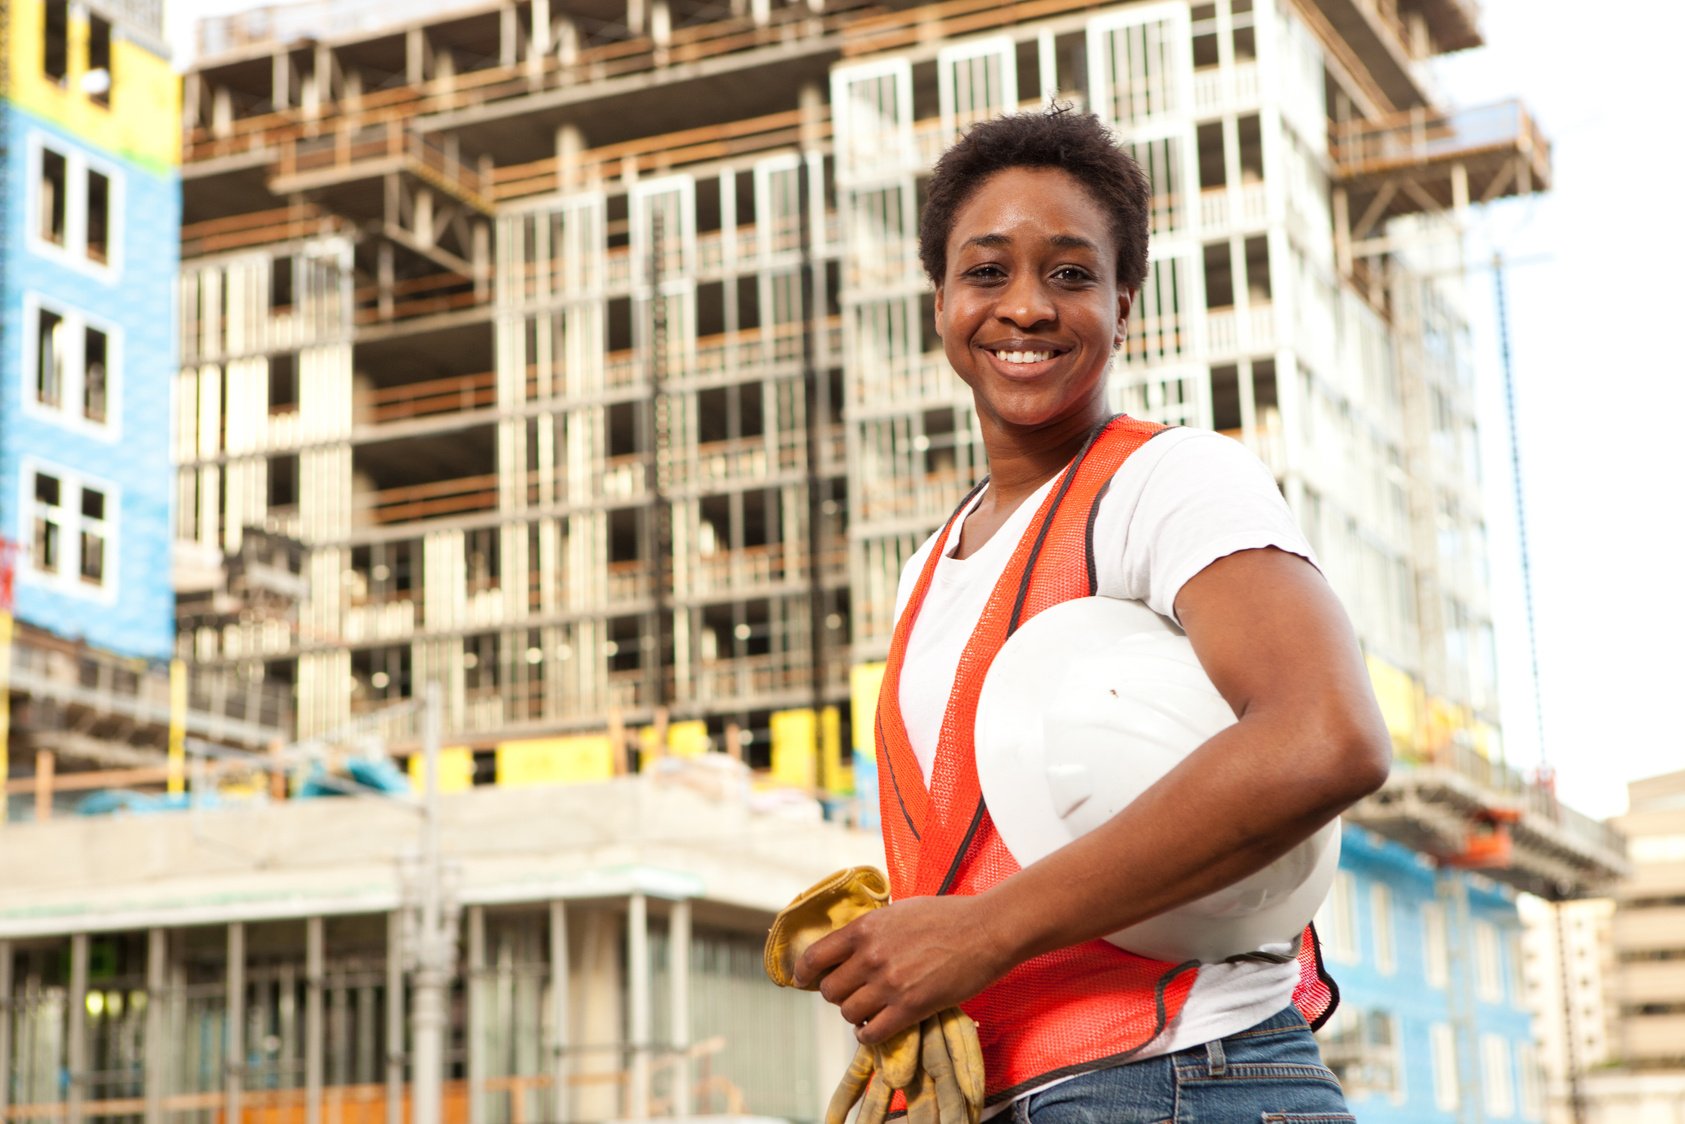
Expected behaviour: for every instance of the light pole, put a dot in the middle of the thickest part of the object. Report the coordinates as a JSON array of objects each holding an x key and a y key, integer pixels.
[{"x": 430, "y": 917}]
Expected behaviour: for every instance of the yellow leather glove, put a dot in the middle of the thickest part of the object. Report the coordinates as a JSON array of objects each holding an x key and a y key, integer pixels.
[{"x": 938, "y": 1064}]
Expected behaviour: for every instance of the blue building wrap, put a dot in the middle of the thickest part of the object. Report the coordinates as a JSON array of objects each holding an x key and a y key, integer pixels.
[
  {"x": 1430, "y": 980},
  {"x": 132, "y": 301}
]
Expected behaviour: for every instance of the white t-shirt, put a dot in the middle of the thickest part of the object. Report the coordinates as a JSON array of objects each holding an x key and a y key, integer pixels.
[{"x": 1180, "y": 502}]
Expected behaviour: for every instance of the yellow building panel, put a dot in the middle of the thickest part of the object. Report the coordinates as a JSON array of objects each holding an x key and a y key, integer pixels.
[
  {"x": 143, "y": 120},
  {"x": 553, "y": 761},
  {"x": 836, "y": 772},
  {"x": 1401, "y": 703},
  {"x": 864, "y": 679},
  {"x": 684, "y": 739},
  {"x": 456, "y": 769},
  {"x": 795, "y": 739}
]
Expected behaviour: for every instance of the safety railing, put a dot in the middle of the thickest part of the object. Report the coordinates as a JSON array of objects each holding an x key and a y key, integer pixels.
[
  {"x": 1419, "y": 137},
  {"x": 454, "y": 394}
]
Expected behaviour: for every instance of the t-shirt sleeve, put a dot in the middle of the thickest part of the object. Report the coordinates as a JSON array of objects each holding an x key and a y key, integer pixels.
[{"x": 1200, "y": 497}]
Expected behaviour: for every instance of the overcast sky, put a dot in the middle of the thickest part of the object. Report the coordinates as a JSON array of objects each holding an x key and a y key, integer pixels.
[
  {"x": 1599, "y": 398},
  {"x": 1599, "y": 394}
]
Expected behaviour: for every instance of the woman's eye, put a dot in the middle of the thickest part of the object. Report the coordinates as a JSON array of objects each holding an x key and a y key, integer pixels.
[
  {"x": 1071, "y": 273},
  {"x": 986, "y": 272}
]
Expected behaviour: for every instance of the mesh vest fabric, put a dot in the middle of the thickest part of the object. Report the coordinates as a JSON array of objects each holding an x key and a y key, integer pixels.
[{"x": 1078, "y": 1008}]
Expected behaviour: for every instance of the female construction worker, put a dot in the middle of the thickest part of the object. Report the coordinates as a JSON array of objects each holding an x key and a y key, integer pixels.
[{"x": 1035, "y": 237}]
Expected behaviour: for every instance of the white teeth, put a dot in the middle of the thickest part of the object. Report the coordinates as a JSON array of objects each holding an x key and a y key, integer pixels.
[{"x": 1024, "y": 356}]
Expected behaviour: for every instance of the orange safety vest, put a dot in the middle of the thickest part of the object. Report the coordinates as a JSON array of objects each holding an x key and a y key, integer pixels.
[{"x": 1075, "y": 1009}]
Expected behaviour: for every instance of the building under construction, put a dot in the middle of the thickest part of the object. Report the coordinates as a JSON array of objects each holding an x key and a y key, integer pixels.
[{"x": 576, "y": 357}]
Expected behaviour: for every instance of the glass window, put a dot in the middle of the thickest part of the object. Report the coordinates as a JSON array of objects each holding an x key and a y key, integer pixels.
[
  {"x": 1436, "y": 951},
  {"x": 1336, "y": 921},
  {"x": 70, "y": 530},
  {"x": 47, "y": 541},
  {"x": 1447, "y": 1090},
  {"x": 1496, "y": 1079},
  {"x": 55, "y": 53},
  {"x": 95, "y": 354},
  {"x": 99, "y": 217},
  {"x": 51, "y": 205},
  {"x": 97, "y": 82},
  {"x": 76, "y": 207},
  {"x": 1488, "y": 979},
  {"x": 49, "y": 358},
  {"x": 75, "y": 365},
  {"x": 1380, "y": 909}
]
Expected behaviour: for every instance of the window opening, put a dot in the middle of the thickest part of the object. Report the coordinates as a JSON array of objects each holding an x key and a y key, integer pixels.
[
  {"x": 281, "y": 284},
  {"x": 49, "y": 358},
  {"x": 97, "y": 82},
  {"x": 93, "y": 537},
  {"x": 55, "y": 57},
  {"x": 99, "y": 217},
  {"x": 95, "y": 355},
  {"x": 54, "y": 184},
  {"x": 49, "y": 524}
]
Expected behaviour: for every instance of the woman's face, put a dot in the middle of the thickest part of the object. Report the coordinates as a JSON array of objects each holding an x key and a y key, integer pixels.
[{"x": 1030, "y": 310}]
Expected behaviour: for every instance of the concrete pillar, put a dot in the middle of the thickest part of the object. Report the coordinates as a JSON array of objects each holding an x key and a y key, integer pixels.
[
  {"x": 637, "y": 999},
  {"x": 157, "y": 979},
  {"x": 475, "y": 979},
  {"x": 539, "y": 44},
  {"x": 415, "y": 56},
  {"x": 6, "y": 1025},
  {"x": 395, "y": 1018},
  {"x": 560, "y": 1039},
  {"x": 234, "y": 1036},
  {"x": 280, "y": 79},
  {"x": 315, "y": 967},
  {"x": 678, "y": 978},
  {"x": 76, "y": 1044},
  {"x": 508, "y": 36}
]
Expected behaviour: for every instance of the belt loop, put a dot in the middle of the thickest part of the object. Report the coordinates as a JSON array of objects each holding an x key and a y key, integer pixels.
[{"x": 1215, "y": 1059}]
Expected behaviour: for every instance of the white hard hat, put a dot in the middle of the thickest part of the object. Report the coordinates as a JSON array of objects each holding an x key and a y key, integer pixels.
[{"x": 1084, "y": 708}]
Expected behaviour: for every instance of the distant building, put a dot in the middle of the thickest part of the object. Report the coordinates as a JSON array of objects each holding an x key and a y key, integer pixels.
[
  {"x": 1643, "y": 1080},
  {"x": 90, "y": 209},
  {"x": 1568, "y": 961}
]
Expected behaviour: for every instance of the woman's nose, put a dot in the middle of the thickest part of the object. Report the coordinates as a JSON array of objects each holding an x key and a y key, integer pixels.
[{"x": 1025, "y": 303}]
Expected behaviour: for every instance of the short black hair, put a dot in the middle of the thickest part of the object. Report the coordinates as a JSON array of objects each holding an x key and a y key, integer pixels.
[{"x": 1058, "y": 137}]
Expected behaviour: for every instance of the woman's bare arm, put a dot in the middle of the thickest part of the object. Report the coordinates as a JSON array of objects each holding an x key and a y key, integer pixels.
[{"x": 1309, "y": 742}]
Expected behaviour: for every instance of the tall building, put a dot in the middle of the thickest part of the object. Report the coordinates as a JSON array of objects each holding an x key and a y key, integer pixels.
[
  {"x": 577, "y": 358},
  {"x": 90, "y": 199}
]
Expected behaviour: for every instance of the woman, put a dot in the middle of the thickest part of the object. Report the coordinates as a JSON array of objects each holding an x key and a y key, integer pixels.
[{"x": 1034, "y": 236}]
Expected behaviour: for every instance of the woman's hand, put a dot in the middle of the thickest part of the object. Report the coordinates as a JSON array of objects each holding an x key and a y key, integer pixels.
[{"x": 891, "y": 968}]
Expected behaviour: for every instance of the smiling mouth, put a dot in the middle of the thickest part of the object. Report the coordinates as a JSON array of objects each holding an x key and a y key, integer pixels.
[{"x": 1024, "y": 358}]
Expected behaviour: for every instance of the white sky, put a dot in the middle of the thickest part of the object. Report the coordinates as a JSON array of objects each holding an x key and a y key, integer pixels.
[
  {"x": 1599, "y": 399},
  {"x": 1600, "y": 395}
]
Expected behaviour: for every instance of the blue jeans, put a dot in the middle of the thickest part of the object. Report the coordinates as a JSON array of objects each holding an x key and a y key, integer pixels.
[{"x": 1270, "y": 1074}]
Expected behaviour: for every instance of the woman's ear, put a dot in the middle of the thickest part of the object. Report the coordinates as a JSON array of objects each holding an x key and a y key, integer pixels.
[{"x": 1125, "y": 302}]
